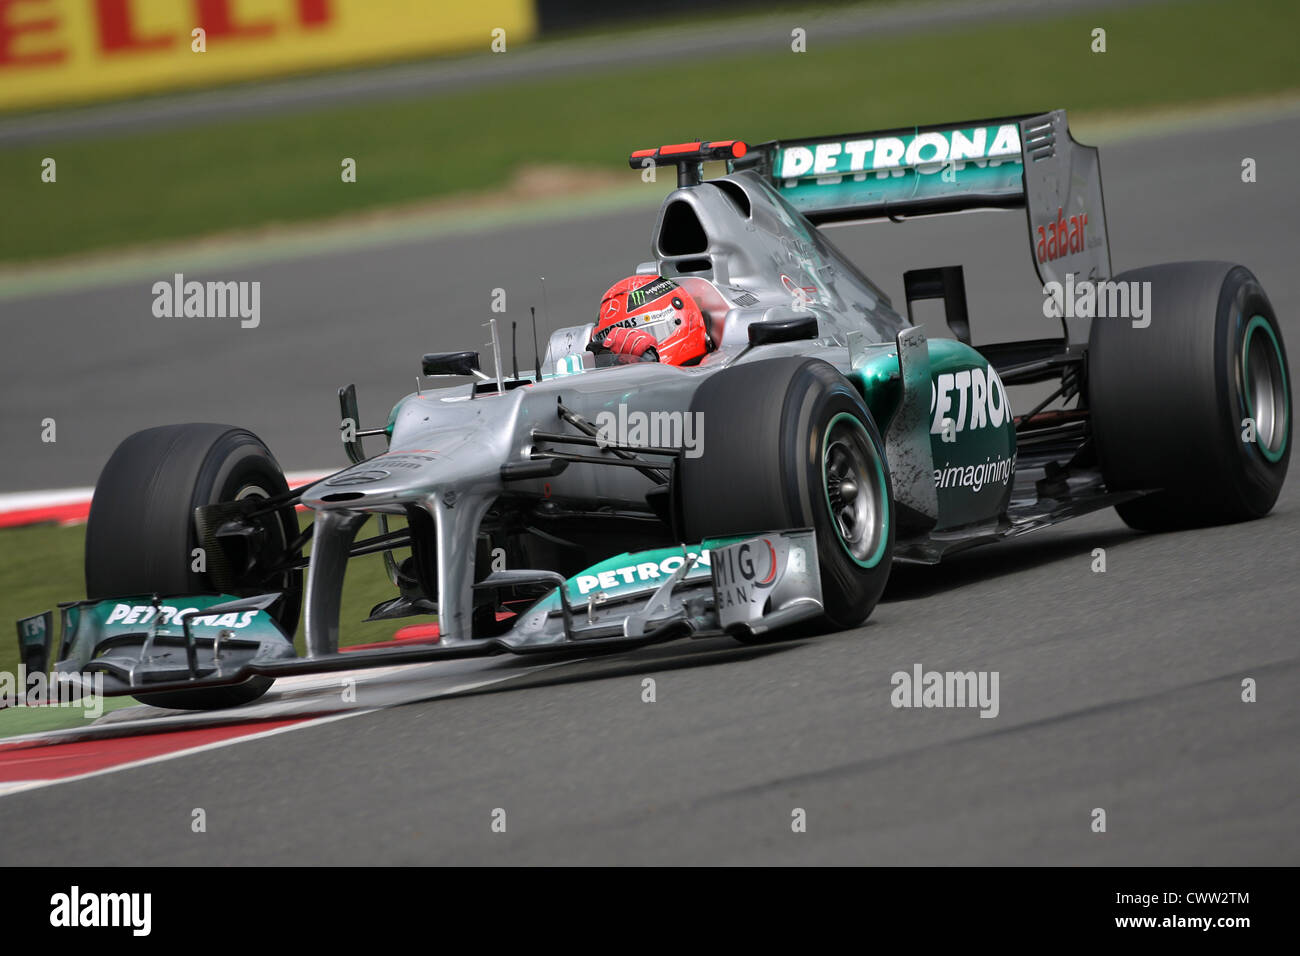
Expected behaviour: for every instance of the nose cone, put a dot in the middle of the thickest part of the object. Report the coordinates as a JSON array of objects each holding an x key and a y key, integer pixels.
[{"x": 394, "y": 476}]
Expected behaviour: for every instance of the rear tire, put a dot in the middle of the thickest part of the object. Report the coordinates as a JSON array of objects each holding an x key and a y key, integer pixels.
[
  {"x": 141, "y": 536},
  {"x": 1169, "y": 401},
  {"x": 788, "y": 443}
]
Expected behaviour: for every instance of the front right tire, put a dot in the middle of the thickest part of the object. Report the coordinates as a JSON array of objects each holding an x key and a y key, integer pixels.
[{"x": 789, "y": 443}]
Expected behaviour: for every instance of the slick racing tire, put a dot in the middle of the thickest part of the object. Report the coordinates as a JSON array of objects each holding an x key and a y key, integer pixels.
[
  {"x": 141, "y": 534},
  {"x": 1197, "y": 404},
  {"x": 788, "y": 443}
]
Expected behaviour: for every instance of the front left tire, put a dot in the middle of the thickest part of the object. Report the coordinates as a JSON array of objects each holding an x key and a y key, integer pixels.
[{"x": 141, "y": 535}]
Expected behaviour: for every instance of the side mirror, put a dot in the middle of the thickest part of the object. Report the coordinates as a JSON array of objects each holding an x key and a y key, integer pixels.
[
  {"x": 947, "y": 283},
  {"x": 783, "y": 330},
  {"x": 450, "y": 363}
]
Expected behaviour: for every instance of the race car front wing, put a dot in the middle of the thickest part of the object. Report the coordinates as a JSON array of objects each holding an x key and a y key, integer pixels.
[{"x": 749, "y": 587}]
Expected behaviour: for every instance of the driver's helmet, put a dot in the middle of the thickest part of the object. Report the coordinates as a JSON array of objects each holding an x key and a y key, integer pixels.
[{"x": 648, "y": 319}]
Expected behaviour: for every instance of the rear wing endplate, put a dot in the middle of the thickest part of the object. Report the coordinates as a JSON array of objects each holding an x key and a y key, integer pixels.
[{"x": 1029, "y": 162}]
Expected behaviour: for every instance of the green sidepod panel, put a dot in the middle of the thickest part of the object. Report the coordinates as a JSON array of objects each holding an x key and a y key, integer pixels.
[{"x": 972, "y": 430}]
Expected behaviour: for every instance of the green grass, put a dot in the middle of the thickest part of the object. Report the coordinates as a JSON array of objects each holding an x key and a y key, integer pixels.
[
  {"x": 42, "y": 565},
  {"x": 33, "y": 720},
  {"x": 171, "y": 184}
]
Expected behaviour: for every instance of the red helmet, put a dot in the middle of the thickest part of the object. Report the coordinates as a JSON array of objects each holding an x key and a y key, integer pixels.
[{"x": 648, "y": 319}]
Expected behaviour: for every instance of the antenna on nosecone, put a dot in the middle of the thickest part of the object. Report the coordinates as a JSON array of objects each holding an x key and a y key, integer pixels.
[
  {"x": 537, "y": 357},
  {"x": 496, "y": 354},
  {"x": 547, "y": 324},
  {"x": 514, "y": 350}
]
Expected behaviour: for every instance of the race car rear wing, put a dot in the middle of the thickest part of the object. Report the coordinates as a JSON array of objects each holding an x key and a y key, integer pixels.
[{"x": 1019, "y": 161}]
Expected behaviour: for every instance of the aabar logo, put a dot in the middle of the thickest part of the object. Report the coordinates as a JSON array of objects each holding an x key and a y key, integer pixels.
[{"x": 1063, "y": 237}]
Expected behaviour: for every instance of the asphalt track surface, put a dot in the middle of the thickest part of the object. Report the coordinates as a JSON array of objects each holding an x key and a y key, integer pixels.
[{"x": 1118, "y": 691}]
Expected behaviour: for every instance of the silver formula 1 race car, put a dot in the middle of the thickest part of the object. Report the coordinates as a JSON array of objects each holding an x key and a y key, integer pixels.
[{"x": 761, "y": 491}]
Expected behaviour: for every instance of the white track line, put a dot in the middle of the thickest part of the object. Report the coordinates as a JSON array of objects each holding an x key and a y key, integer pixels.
[
  {"x": 24, "y": 500},
  {"x": 21, "y": 786}
]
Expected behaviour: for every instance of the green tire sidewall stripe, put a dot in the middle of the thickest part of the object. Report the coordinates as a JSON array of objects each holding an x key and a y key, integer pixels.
[
  {"x": 1259, "y": 322},
  {"x": 881, "y": 492}
]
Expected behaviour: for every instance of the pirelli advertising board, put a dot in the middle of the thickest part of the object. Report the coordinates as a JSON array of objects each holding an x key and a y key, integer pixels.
[{"x": 67, "y": 51}]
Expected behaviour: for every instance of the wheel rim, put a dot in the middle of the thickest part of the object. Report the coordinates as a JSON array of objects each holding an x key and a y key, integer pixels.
[
  {"x": 1265, "y": 388},
  {"x": 251, "y": 491},
  {"x": 274, "y": 539},
  {"x": 854, "y": 482}
]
